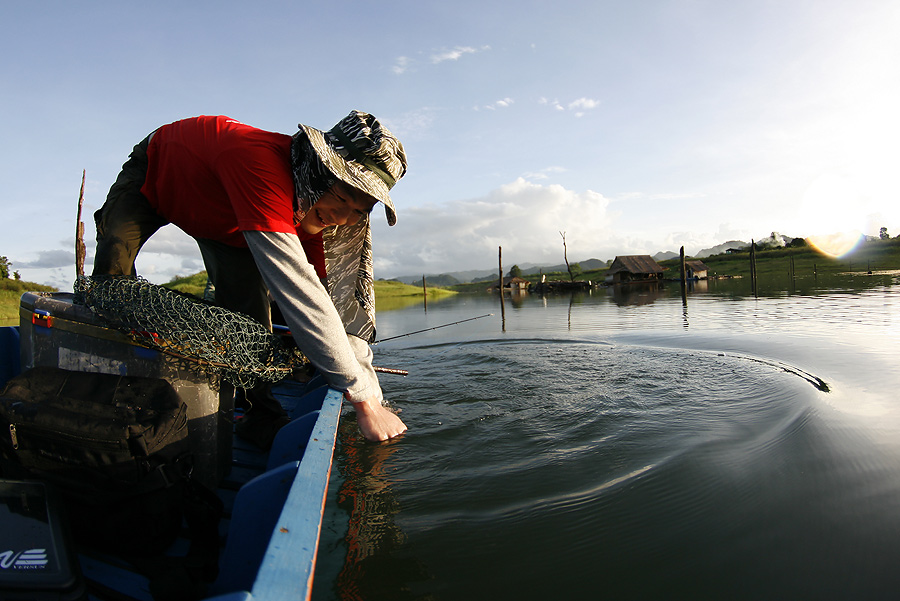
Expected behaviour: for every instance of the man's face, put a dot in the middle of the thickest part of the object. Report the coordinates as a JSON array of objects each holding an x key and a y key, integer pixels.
[{"x": 342, "y": 204}]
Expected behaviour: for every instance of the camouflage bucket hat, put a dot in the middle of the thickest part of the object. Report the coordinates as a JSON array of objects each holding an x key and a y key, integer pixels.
[{"x": 362, "y": 152}]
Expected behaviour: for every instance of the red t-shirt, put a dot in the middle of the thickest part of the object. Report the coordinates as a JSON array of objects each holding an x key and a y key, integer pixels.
[{"x": 215, "y": 178}]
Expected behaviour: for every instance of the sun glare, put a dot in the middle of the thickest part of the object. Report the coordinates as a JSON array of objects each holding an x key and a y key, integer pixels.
[
  {"x": 836, "y": 245},
  {"x": 833, "y": 215}
]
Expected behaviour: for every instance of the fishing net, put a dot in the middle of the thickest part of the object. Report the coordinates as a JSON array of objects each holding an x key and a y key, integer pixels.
[{"x": 235, "y": 346}]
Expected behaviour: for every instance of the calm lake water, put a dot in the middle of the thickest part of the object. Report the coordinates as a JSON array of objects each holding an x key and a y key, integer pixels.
[{"x": 630, "y": 445}]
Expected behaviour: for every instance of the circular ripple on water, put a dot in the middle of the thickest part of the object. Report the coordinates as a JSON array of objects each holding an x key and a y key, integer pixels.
[{"x": 609, "y": 462}]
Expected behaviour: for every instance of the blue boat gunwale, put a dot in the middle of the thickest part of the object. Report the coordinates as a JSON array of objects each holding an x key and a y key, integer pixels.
[
  {"x": 288, "y": 565},
  {"x": 299, "y": 463}
]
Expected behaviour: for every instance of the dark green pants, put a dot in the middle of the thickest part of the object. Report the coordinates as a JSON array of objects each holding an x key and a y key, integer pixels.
[{"x": 127, "y": 220}]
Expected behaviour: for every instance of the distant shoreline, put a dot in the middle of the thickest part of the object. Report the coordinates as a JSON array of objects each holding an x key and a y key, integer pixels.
[
  {"x": 773, "y": 263},
  {"x": 388, "y": 295},
  {"x": 875, "y": 255}
]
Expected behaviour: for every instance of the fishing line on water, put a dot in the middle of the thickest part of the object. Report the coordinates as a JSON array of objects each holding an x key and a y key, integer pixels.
[{"x": 434, "y": 328}]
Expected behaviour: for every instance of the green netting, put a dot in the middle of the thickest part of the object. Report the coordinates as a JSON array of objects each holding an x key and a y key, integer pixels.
[{"x": 233, "y": 345}]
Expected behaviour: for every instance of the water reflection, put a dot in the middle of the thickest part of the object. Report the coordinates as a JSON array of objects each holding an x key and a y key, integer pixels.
[
  {"x": 372, "y": 535},
  {"x": 703, "y": 445},
  {"x": 637, "y": 294}
]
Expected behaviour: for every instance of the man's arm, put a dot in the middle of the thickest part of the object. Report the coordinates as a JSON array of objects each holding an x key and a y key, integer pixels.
[{"x": 318, "y": 330}]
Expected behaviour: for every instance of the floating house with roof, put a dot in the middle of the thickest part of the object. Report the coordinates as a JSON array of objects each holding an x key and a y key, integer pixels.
[
  {"x": 631, "y": 269},
  {"x": 695, "y": 270},
  {"x": 513, "y": 284}
]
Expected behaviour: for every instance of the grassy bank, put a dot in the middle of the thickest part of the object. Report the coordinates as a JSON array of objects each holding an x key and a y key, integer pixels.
[
  {"x": 391, "y": 289},
  {"x": 10, "y": 293},
  {"x": 388, "y": 295},
  {"x": 772, "y": 264},
  {"x": 192, "y": 284},
  {"x": 872, "y": 256},
  {"x": 391, "y": 295}
]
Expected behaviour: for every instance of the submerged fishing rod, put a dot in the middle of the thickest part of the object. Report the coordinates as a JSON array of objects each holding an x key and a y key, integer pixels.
[{"x": 434, "y": 328}]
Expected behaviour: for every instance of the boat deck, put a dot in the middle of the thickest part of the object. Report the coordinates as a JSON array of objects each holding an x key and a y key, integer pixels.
[{"x": 273, "y": 507}]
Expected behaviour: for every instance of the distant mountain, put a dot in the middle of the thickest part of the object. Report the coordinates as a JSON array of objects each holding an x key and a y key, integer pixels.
[
  {"x": 720, "y": 248},
  {"x": 775, "y": 240},
  {"x": 476, "y": 275},
  {"x": 461, "y": 276},
  {"x": 445, "y": 279},
  {"x": 587, "y": 265},
  {"x": 666, "y": 255}
]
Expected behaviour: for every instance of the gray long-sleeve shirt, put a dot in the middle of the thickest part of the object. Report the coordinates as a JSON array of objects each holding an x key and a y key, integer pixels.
[{"x": 345, "y": 361}]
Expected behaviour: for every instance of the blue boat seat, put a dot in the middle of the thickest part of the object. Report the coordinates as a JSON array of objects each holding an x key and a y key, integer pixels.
[
  {"x": 315, "y": 383},
  {"x": 311, "y": 400},
  {"x": 257, "y": 508},
  {"x": 290, "y": 442}
]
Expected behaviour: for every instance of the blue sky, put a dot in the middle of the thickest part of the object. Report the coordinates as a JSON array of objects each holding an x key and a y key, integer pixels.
[{"x": 634, "y": 127}]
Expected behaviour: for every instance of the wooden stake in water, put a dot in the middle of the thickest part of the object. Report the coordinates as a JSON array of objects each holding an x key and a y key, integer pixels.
[
  {"x": 502, "y": 306},
  {"x": 753, "y": 267}
]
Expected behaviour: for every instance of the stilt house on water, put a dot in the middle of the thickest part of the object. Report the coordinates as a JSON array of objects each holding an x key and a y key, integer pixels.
[
  {"x": 512, "y": 284},
  {"x": 695, "y": 270},
  {"x": 634, "y": 268}
]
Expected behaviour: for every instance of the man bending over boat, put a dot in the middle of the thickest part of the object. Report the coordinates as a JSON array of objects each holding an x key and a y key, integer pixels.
[{"x": 272, "y": 214}]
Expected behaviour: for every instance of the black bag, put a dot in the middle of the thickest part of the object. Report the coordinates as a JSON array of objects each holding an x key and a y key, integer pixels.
[{"x": 115, "y": 446}]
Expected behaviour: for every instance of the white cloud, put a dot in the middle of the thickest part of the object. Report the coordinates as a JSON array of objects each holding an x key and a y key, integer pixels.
[
  {"x": 170, "y": 240},
  {"x": 455, "y": 53},
  {"x": 544, "y": 173},
  {"x": 579, "y": 106},
  {"x": 502, "y": 104},
  {"x": 584, "y": 104},
  {"x": 523, "y": 218},
  {"x": 552, "y": 103},
  {"x": 401, "y": 65},
  {"x": 411, "y": 124},
  {"x": 48, "y": 259},
  {"x": 167, "y": 254}
]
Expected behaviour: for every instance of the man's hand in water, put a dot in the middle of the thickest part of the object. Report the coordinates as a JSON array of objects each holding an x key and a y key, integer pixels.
[{"x": 376, "y": 421}]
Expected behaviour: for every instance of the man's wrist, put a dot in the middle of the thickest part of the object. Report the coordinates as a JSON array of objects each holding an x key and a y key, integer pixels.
[
  {"x": 362, "y": 394},
  {"x": 365, "y": 406}
]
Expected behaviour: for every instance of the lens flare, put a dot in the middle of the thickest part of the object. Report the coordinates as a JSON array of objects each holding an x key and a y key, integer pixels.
[
  {"x": 836, "y": 245},
  {"x": 833, "y": 215}
]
